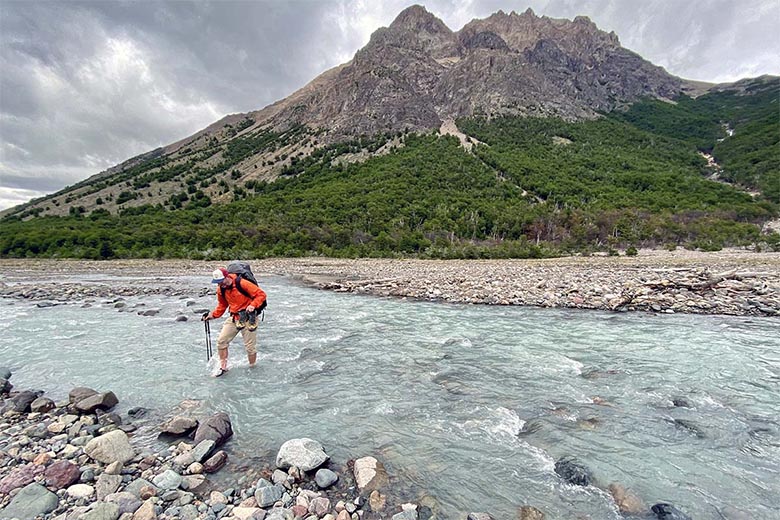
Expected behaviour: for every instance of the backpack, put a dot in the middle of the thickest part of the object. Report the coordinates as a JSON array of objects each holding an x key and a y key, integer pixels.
[{"x": 242, "y": 270}]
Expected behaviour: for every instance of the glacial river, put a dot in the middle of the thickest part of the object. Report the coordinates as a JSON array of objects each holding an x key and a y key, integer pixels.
[{"x": 468, "y": 405}]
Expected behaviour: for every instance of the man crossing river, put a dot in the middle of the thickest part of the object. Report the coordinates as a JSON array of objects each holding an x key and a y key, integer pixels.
[{"x": 243, "y": 299}]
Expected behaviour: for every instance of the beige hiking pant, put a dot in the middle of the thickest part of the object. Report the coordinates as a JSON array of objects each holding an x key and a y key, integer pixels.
[{"x": 229, "y": 332}]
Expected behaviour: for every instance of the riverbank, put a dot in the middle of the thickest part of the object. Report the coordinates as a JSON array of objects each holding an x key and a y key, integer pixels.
[
  {"x": 75, "y": 459},
  {"x": 733, "y": 282}
]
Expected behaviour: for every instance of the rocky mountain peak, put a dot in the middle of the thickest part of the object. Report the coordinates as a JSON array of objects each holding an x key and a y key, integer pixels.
[{"x": 415, "y": 29}]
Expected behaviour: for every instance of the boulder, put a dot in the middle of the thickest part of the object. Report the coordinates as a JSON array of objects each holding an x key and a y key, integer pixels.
[
  {"x": 215, "y": 463},
  {"x": 102, "y": 511},
  {"x": 370, "y": 474},
  {"x": 20, "y": 477},
  {"x": 107, "y": 484},
  {"x": 21, "y": 402},
  {"x": 179, "y": 425},
  {"x": 203, "y": 450},
  {"x": 79, "y": 393},
  {"x": 325, "y": 478},
  {"x": 78, "y": 491},
  {"x": 217, "y": 428},
  {"x": 137, "y": 485},
  {"x": 62, "y": 474},
  {"x": 280, "y": 513},
  {"x": 5, "y": 373},
  {"x": 104, "y": 401},
  {"x": 626, "y": 501},
  {"x": 110, "y": 447},
  {"x": 665, "y": 511},
  {"x": 319, "y": 506},
  {"x": 479, "y": 516},
  {"x": 32, "y": 500},
  {"x": 168, "y": 479},
  {"x": 127, "y": 502},
  {"x": 145, "y": 512},
  {"x": 42, "y": 405},
  {"x": 305, "y": 454},
  {"x": 266, "y": 496},
  {"x": 5, "y": 386},
  {"x": 573, "y": 472},
  {"x": 529, "y": 513}
]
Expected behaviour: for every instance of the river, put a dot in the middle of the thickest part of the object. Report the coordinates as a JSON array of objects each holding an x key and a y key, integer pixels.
[{"x": 469, "y": 405}]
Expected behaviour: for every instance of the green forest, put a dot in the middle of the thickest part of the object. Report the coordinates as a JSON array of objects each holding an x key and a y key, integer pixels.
[{"x": 529, "y": 188}]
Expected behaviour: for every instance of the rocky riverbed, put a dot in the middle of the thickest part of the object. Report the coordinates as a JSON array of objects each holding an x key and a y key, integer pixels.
[
  {"x": 76, "y": 460},
  {"x": 734, "y": 282}
]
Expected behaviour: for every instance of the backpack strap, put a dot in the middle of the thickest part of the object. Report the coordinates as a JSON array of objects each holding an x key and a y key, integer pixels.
[{"x": 245, "y": 293}]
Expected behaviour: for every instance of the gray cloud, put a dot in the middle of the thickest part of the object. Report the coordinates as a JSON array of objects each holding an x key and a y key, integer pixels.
[{"x": 86, "y": 85}]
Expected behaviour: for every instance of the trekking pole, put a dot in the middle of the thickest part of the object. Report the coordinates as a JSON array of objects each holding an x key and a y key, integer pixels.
[{"x": 208, "y": 340}]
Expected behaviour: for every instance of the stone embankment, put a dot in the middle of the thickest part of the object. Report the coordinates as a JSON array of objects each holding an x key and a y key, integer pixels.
[
  {"x": 736, "y": 283},
  {"x": 76, "y": 460},
  {"x": 727, "y": 282}
]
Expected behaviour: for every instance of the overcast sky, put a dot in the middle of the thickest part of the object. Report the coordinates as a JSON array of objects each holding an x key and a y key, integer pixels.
[{"x": 86, "y": 85}]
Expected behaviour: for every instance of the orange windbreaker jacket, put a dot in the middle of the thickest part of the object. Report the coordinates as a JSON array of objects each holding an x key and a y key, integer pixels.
[{"x": 235, "y": 300}]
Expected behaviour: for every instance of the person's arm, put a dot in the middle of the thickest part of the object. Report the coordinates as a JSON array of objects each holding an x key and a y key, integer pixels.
[{"x": 222, "y": 305}]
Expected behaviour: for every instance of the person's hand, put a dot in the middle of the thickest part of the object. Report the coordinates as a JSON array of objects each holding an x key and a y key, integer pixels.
[
  {"x": 250, "y": 308},
  {"x": 206, "y": 317}
]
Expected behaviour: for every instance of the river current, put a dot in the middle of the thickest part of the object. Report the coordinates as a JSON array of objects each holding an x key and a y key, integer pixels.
[{"x": 469, "y": 405}]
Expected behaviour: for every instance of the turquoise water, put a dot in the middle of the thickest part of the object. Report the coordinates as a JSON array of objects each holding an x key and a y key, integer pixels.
[{"x": 444, "y": 394}]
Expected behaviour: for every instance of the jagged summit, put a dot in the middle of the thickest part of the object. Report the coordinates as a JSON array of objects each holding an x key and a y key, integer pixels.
[
  {"x": 414, "y": 75},
  {"x": 418, "y": 72}
]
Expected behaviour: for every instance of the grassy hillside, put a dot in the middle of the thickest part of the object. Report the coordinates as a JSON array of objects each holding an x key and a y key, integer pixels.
[
  {"x": 536, "y": 187},
  {"x": 532, "y": 187}
]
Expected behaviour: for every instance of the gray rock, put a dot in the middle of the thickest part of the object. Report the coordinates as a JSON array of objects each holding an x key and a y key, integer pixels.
[
  {"x": 5, "y": 373},
  {"x": 573, "y": 472},
  {"x": 266, "y": 496},
  {"x": 664, "y": 511},
  {"x": 102, "y": 511},
  {"x": 203, "y": 450},
  {"x": 79, "y": 393},
  {"x": 325, "y": 478},
  {"x": 21, "y": 402},
  {"x": 179, "y": 425},
  {"x": 127, "y": 502},
  {"x": 104, "y": 401},
  {"x": 110, "y": 447},
  {"x": 280, "y": 513},
  {"x": 42, "y": 405},
  {"x": 107, "y": 484},
  {"x": 168, "y": 479},
  {"x": 305, "y": 454},
  {"x": 31, "y": 501},
  {"x": 5, "y": 386},
  {"x": 479, "y": 516},
  {"x": 217, "y": 428}
]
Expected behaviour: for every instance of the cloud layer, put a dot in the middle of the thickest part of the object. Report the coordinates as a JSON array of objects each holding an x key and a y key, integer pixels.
[{"x": 85, "y": 86}]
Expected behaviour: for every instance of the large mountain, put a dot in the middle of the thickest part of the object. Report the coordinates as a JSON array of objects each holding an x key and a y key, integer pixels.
[
  {"x": 412, "y": 76},
  {"x": 563, "y": 141}
]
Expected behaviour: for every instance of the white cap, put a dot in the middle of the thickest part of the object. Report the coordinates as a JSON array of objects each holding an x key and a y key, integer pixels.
[{"x": 217, "y": 276}]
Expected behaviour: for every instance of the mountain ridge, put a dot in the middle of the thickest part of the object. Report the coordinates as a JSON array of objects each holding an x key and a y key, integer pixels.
[{"x": 413, "y": 75}]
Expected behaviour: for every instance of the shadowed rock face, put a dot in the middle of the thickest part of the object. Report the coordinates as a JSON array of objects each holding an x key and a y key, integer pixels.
[{"x": 417, "y": 72}]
